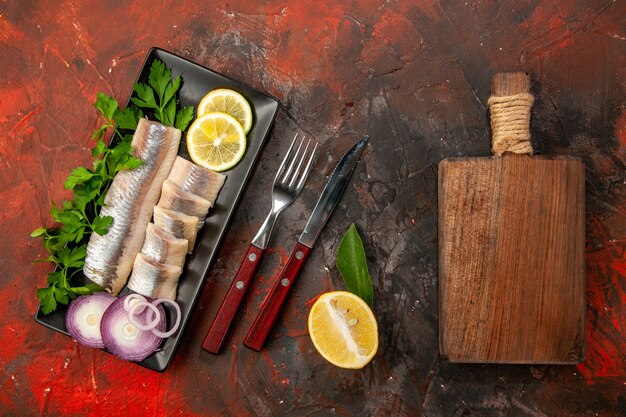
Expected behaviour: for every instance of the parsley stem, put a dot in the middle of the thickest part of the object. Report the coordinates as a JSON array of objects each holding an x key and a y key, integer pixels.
[
  {"x": 76, "y": 271},
  {"x": 64, "y": 280},
  {"x": 95, "y": 209},
  {"x": 117, "y": 132}
]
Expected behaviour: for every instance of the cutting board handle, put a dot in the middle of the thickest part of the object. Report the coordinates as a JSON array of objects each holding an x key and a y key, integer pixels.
[{"x": 510, "y": 106}]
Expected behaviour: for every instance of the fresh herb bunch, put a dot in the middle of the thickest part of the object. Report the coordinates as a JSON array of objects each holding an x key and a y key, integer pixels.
[
  {"x": 77, "y": 218},
  {"x": 159, "y": 96}
]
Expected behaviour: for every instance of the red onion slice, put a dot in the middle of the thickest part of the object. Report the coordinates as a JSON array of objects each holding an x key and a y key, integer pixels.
[
  {"x": 125, "y": 340},
  {"x": 84, "y": 315},
  {"x": 128, "y": 301},
  {"x": 176, "y": 325},
  {"x": 142, "y": 305}
]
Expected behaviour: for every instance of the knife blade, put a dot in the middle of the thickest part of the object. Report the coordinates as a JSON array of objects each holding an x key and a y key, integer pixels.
[
  {"x": 332, "y": 193},
  {"x": 275, "y": 300}
]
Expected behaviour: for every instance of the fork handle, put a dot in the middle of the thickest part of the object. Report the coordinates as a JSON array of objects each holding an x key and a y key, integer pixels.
[
  {"x": 275, "y": 300},
  {"x": 229, "y": 308}
]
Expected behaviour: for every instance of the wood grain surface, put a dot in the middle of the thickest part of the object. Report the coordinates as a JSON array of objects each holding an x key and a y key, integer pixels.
[{"x": 511, "y": 253}]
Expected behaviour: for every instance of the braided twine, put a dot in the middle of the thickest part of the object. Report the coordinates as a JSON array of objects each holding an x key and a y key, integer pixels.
[{"x": 510, "y": 122}]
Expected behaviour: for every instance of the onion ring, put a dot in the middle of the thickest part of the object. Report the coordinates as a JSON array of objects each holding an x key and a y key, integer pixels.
[
  {"x": 147, "y": 326},
  {"x": 176, "y": 325},
  {"x": 132, "y": 297}
]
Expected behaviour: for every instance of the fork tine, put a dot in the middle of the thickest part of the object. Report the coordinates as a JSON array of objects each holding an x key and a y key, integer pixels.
[
  {"x": 297, "y": 171},
  {"x": 293, "y": 161},
  {"x": 286, "y": 158},
  {"x": 306, "y": 171}
]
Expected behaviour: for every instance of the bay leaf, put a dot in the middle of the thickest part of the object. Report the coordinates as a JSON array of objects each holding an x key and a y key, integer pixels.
[{"x": 352, "y": 265}]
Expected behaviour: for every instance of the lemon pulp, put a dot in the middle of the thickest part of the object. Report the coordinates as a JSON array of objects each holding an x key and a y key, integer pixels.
[
  {"x": 216, "y": 141},
  {"x": 224, "y": 100},
  {"x": 343, "y": 329}
]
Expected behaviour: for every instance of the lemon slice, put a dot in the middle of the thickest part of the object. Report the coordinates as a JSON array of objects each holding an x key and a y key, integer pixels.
[
  {"x": 343, "y": 329},
  {"x": 216, "y": 141},
  {"x": 230, "y": 102}
]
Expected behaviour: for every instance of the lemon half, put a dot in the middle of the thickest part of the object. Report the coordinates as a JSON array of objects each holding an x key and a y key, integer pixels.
[{"x": 343, "y": 329}]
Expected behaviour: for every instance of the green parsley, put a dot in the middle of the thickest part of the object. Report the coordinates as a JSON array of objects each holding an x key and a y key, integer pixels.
[
  {"x": 159, "y": 96},
  {"x": 77, "y": 218}
]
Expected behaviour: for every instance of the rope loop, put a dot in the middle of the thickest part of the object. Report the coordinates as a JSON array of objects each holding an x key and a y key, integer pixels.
[{"x": 510, "y": 123}]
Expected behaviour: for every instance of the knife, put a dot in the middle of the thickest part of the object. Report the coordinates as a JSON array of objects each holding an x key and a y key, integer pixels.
[{"x": 275, "y": 300}]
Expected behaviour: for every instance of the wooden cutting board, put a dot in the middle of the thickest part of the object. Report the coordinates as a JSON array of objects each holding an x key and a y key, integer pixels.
[{"x": 511, "y": 249}]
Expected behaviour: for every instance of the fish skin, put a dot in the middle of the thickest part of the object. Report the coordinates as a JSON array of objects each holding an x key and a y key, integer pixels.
[
  {"x": 188, "y": 192},
  {"x": 178, "y": 224},
  {"x": 154, "y": 279},
  {"x": 130, "y": 201},
  {"x": 164, "y": 247},
  {"x": 176, "y": 199},
  {"x": 196, "y": 179}
]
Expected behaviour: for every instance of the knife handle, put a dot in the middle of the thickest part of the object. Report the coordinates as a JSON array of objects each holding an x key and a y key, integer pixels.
[
  {"x": 275, "y": 300},
  {"x": 229, "y": 308}
]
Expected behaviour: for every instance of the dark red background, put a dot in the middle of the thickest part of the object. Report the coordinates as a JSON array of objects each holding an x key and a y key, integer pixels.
[{"x": 415, "y": 76}]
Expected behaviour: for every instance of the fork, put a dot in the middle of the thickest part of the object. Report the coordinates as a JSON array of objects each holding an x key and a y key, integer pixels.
[{"x": 287, "y": 185}]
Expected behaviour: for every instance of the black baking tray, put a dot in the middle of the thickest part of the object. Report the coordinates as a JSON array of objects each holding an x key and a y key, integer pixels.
[{"x": 197, "y": 81}]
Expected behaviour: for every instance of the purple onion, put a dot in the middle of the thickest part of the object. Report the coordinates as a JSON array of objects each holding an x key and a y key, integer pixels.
[
  {"x": 139, "y": 307},
  {"x": 84, "y": 315},
  {"x": 176, "y": 325},
  {"x": 124, "y": 339}
]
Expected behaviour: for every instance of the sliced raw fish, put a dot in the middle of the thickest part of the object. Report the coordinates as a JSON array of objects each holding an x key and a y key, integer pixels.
[
  {"x": 130, "y": 201},
  {"x": 164, "y": 247},
  {"x": 196, "y": 179},
  {"x": 154, "y": 279},
  {"x": 175, "y": 198},
  {"x": 178, "y": 224}
]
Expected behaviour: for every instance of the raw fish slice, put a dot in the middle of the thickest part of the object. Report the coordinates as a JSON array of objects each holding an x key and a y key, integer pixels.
[
  {"x": 178, "y": 224},
  {"x": 130, "y": 200},
  {"x": 176, "y": 199},
  {"x": 164, "y": 247},
  {"x": 167, "y": 289},
  {"x": 154, "y": 279},
  {"x": 196, "y": 179}
]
